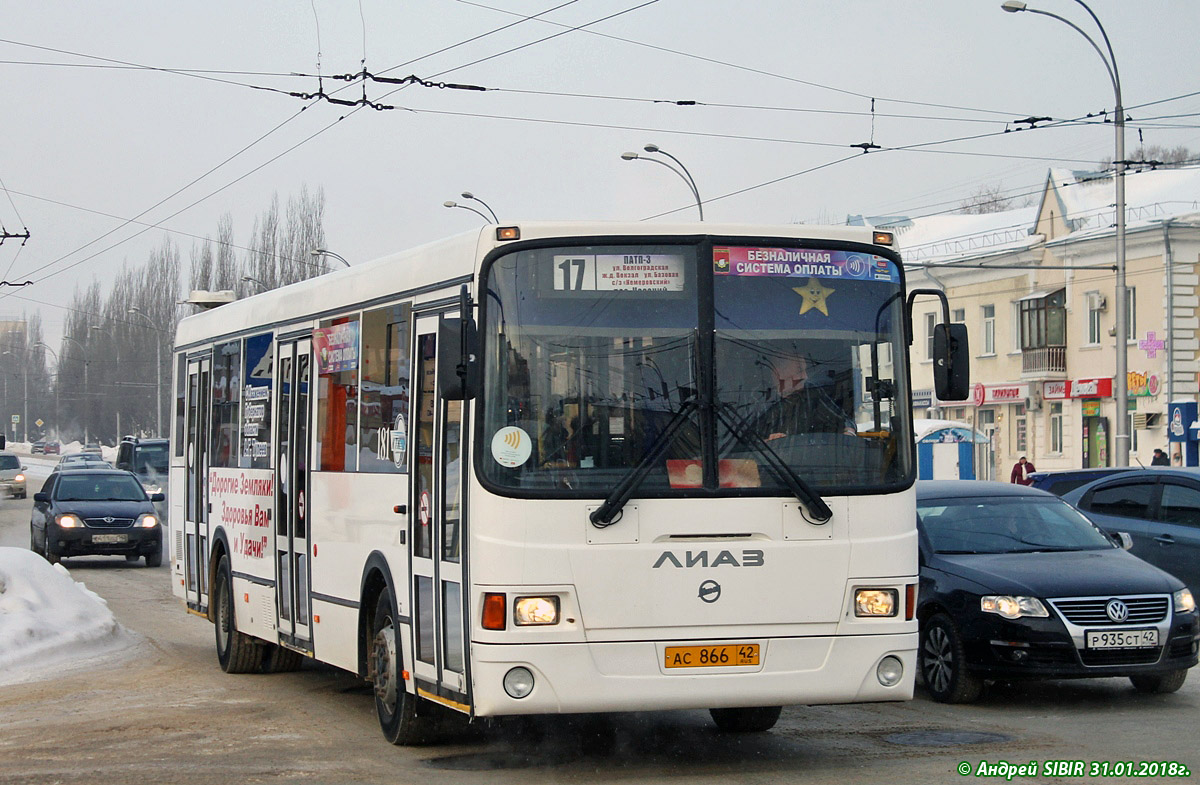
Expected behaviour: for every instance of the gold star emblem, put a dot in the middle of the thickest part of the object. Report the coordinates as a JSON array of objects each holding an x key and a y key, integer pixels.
[{"x": 813, "y": 295}]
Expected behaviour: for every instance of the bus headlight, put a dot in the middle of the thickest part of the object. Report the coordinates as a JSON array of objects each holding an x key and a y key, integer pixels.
[
  {"x": 531, "y": 611},
  {"x": 518, "y": 682},
  {"x": 875, "y": 602}
]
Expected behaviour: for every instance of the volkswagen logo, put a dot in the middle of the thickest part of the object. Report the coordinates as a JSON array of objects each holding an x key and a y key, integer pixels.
[
  {"x": 710, "y": 592},
  {"x": 109, "y": 519},
  {"x": 1117, "y": 611}
]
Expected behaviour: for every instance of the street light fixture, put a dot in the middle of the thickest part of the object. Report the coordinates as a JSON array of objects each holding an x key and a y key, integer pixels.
[
  {"x": 262, "y": 287},
  {"x": 57, "y": 385},
  {"x": 469, "y": 195},
  {"x": 158, "y": 402},
  {"x": 1121, "y": 311},
  {"x": 317, "y": 253},
  {"x": 682, "y": 171},
  {"x": 465, "y": 207}
]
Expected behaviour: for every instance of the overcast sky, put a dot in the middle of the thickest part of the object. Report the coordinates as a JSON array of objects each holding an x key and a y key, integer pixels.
[{"x": 784, "y": 87}]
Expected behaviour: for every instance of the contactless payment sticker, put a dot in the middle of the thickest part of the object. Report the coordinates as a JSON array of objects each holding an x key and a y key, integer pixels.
[{"x": 511, "y": 446}]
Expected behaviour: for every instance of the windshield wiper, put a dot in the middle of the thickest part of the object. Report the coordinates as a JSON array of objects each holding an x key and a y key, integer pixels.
[
  {"x": 609, "y": 510},
  {"x": 798, "y": 487}
]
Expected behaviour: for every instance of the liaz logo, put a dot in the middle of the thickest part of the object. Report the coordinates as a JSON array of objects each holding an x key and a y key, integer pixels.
[{"x": 749, "y": 558}]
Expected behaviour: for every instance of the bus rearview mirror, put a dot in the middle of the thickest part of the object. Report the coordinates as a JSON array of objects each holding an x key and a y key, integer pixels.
[
  {"x": 951, "y": 362},
  {"x": 458, "y": 359}
]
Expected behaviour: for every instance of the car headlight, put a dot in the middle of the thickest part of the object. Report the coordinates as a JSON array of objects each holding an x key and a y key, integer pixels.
[
  {"x": 68, "y": 521},
  {"x": 1012, "y": 607},
  {"x": 147, "y": 521},
  {"x": 875, "y": 602},
  {"x": 1184, "y": 601},
  {"x": 530, "y": 611},
  {"x": 19, "y": 478}
]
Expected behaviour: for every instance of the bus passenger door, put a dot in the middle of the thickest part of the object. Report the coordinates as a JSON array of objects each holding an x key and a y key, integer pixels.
[
  {"x": 195, "y": 525},
  {"x": 293, "y": 603},
  {"x": 437, "y": 488}
]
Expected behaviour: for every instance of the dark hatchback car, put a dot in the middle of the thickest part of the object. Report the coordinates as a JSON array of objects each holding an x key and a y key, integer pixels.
[
  {"x": 95, "y": 511},
  {"x": 1160, "y": 510},
  {"x": 1016, "y": 584}
]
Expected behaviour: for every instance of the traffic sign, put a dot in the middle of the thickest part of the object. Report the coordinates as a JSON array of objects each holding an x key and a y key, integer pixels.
[
  {"x": 38, "y": 422},
  {"x": 16, "y": 418}
]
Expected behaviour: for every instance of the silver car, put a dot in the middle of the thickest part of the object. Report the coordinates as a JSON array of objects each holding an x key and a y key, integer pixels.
[{"x": 12, "y": 475}]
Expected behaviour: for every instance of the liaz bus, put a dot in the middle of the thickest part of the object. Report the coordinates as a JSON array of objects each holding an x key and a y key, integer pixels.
[{"x": 564, "y": 468}]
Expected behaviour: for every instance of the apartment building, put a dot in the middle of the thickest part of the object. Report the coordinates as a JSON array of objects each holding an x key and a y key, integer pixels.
[{"x": 1035, "y": 287}]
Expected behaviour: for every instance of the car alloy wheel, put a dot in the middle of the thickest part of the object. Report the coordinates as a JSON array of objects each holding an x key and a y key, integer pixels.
[{"x": 943, "y": 663}]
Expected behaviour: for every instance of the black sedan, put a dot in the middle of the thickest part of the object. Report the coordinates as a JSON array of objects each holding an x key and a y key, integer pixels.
[
  {"x": 95, "y": 511},
  {"x": 1017, "y": 584}
]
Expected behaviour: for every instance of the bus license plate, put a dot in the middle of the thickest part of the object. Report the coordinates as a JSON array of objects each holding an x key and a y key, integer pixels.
[
  {"x": 1122, "y": 639},
  {"x": 103, "y": 539},
  {"x": 724, "y": 655}
]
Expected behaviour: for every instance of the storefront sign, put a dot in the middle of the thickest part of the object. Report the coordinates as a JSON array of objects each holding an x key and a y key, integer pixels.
[
  {"x": 922, "y": 399},
  {"x": 1090, "y": 408},
  {"x": 1080, "y": 388},
  {"x": 1142, "y": 384},
  {"x": 984, "y": 394}
]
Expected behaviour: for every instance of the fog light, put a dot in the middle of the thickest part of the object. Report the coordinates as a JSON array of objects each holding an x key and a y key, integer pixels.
[
  {"x": 518, "y": 682},
  {"x": 890, "y": 671}
]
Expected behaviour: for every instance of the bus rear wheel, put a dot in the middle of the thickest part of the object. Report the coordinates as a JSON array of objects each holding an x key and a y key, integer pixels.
[
  {"x": 750, "y": 720},
  {"x": 236, "y": 651},
  {"x": 396, "y": 708}
]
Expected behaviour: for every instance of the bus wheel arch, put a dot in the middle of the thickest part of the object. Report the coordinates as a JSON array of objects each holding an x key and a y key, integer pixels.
[
  {"x": 376, "y": 579},
  {"x": 218, "y": 549}
]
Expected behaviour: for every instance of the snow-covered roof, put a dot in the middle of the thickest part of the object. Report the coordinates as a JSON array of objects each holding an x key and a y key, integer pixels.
[{"x": 1086, "y": 199}]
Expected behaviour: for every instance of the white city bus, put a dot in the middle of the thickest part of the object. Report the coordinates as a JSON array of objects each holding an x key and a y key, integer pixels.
[{"x": 560, "y": 468}]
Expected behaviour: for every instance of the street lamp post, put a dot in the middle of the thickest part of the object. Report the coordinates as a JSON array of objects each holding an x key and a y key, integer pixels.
[
  {"x": 87, "y": 409},
  {"x": 1121, "y": 311},
  {"x": 319, "y": 252},
  {"x": 682, "y": 171},
  {"x": 57, "y": 386},
  {"x": 158, "y": 403},
  {"x": 465, "y": 207},
  {"x": 25, "y": 403},
  {"x": 473, "y": 197},
  {"x": 116, "y": 398},
  {"x": 262, "y": 287}
]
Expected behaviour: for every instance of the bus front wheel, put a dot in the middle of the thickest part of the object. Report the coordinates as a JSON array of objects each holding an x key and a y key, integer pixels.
[
  {"x": 750, "y": 720},
  {"x": 397, "y": 709}
]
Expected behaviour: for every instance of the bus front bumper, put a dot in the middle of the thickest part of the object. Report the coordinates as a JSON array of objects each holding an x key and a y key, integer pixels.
[{"x": 571, "y": 678}]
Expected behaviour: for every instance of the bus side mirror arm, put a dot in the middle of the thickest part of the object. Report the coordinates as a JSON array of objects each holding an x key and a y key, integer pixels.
[{"x": 951, "y": 352}]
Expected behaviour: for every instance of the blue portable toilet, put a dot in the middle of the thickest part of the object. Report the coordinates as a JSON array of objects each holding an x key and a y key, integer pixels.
[{"x": 946, "y": 449}]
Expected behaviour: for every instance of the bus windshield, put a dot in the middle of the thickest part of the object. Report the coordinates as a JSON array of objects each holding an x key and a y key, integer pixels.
[{"x": 708, "y": 370}]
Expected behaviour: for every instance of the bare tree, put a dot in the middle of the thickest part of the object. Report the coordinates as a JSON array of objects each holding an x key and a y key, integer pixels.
[{"x": 987, "y": 199}]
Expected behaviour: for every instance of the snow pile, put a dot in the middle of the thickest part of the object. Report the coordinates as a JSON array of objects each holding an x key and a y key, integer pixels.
[{"x": 48, "y": 620}]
